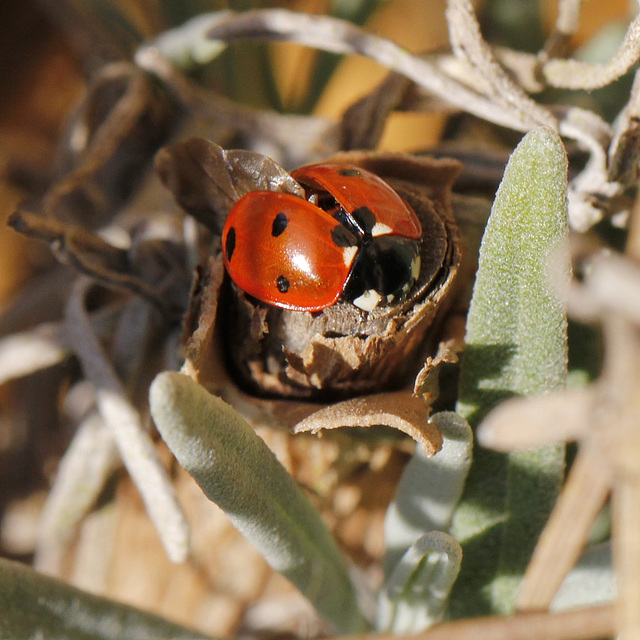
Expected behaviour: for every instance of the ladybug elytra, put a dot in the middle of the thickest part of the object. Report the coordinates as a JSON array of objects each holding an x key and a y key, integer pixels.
[{"x": 352, "y": 238}]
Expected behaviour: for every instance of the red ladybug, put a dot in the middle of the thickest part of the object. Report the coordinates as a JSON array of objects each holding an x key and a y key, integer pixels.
[{"x": 353, "y": 238}]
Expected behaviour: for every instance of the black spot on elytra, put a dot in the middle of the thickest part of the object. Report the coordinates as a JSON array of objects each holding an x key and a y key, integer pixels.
[
  {"x": 283, "y": 284},
  {"x": 343, "y": 237},
  {"x": 280, "y": 223},
  {"x": 349, "y": 172},
  {"x": 365, "y": 218},
  {"x": 230, "y": 244}
]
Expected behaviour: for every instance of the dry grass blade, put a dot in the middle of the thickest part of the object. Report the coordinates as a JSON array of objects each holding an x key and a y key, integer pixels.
[
  {"x": 24, "y": 353},
  {"x": 568, "y": 14},
  {"x": 566, "y": 25},
  {"x": 530, "y": 422},
  {"x": 134, "y": 443},
  {"x": 610, "y": 448},
  {"x": 47, "y": 344},
  {"x": 633, "y": 239},
  {"x": 581, "y": 624},
  {"x": 615, "y": 282},
  {"x": 83, "y": 472},
  {"x": 626, "y": 550},
  {"x": 624, "y": 372},
  {"x": 566, "y": 532}
]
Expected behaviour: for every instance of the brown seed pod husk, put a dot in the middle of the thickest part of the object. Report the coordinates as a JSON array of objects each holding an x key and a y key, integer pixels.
[{"x": 344, "y": 351}]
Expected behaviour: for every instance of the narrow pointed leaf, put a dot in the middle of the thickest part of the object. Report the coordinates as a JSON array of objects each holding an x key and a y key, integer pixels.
[
  {"x": 516, "y": 346},
  {"x": 36, "y": 606},
  {"x": 237, "y": 471}
]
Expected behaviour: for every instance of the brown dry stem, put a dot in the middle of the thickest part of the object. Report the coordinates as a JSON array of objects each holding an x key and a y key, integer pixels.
[{"x": 581, "y": 624}]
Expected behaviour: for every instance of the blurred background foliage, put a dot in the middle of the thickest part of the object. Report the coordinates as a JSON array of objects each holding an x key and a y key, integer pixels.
[{"x": 49, "y": 49}]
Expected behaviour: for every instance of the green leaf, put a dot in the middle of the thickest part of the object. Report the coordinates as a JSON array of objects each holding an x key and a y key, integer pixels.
[
  {"x": 429, "y": 489},
  {"x": 37, "y": 606},
  {"x": 237, "y": 471},
  {"x": 415, "y": 595},
  {"x": 516, "y": 346}
]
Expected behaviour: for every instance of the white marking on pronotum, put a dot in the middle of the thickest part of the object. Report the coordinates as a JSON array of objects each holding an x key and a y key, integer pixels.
[
  {"x": 348, "y": 254},
  {"x": 368, "y": 300},
  {"x": 415, "y": 268},
  {"x": 380, "y": 229}
]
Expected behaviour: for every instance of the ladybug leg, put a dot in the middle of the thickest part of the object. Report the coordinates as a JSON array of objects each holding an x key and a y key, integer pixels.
[{"x": 384, "y": 270}]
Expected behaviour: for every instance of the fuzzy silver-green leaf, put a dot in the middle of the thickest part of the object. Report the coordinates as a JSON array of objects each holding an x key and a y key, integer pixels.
[
  {"x": 516, "y": 345},
  {"x": 36, "y": 606},
  {"x": 237, "y": 471},
  {"x": 415, "y": 594},
  {"x": 429, "y": 488}
]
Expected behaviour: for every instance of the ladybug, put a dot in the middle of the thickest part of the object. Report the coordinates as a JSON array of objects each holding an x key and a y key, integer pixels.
[{"x": 352, "y": 238}]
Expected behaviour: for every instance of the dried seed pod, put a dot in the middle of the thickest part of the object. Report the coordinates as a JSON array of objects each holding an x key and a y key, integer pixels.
[{"x": 343, "y": 350}]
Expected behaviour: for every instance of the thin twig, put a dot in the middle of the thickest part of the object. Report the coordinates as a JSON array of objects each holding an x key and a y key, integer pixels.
[
  {"x": 567, "y": 530},
  {"x": 576, "y": 74},
  {"x": 624, "y": 149},
  {"x": 302, "y": 136},
  {"x": 558, "y": 42},
  {"x": 135, "y": 445},
  {"x": 468, "y": 44},
  {"x": 82, "y": 474},
  {"x": 580, "y": 624},
  {"x": 568, "y": 14},
  {"x": 338, "y": 36},
  {"x": 626, "y": 554},
  {"x": 592, "y": 184},
  {"x": 89, "y": 254}
]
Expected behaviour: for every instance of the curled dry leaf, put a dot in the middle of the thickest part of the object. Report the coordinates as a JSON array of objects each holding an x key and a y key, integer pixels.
[
  {"x": 427, "y": 381},
  {"x": 206, "y": 180},
  {"x": 399, "y": 410}
]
